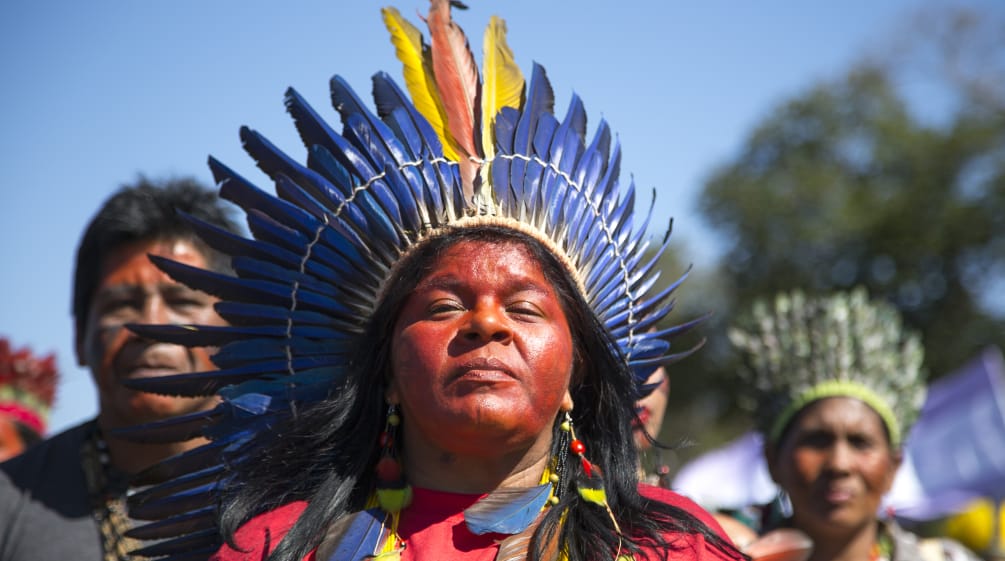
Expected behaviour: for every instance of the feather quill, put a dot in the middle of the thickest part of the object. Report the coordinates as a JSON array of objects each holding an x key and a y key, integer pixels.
[{"x": 418, "y": 72}]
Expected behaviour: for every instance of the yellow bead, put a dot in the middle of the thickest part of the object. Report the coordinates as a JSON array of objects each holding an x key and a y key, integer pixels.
[
  {"x": 553, "y": 478},
  {"x": 393, "y": 420},
  {"x": 565, "y": 426},
  {"x": 553, "y": 500}
]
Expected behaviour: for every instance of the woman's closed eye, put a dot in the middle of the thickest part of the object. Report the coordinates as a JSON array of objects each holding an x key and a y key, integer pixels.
[
  {"x": 444, "y": 306},
  {"x": 524, "y": 309}
]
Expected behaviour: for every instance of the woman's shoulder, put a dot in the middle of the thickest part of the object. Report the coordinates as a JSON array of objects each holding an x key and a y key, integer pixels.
[
  {"x": 257, "y": 537},
  {"x": 698, "y": 544},
  {"x": 675, "y": 499},
  {"x": 908, "y": 545}
]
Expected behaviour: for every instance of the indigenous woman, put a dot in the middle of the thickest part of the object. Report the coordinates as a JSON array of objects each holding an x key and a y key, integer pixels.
[
  {"x": 837, "y": 381},
  {"x": 437, "y": 337}
]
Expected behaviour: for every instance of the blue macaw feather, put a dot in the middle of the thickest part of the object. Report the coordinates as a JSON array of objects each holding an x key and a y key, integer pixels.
[
  {"x": 360, "y": 540},
  {"x": 411, "y": 217},
  {"x": 235, "y": 188},
  {"x": 269, "y": 158},
  {"x": 251, "y": 268},
  {"x": 319, "y": 200},
  {"x": 250, "y": 313},
  {"x": 507, "y": 510},
  {"x": 174, "y": 429},
  {"x": 196, "y": 459},
  {"x": 388, "y": 96},
  {"x": 416, "y": 178},
  {"x": 505, "y": 129},
  {"x": 199, "y": 384},
  {"x": 350, "y": 107},
  {"x": 330, "y": 350},
  {"x": 594, "y": 160},
  {"x": 325, "y": 161},
  {"x": 187, "y": 500},
  {"x": 176, "y": 525},
  {"x": 401, "y": 125},
  {"x": 567, "y": 147},
  {"x": 200, "y": 553},
  {"x": 609, "y": 182},
  {"x": 312, "y": 128},
  {"x": 648, "y": 347},
  {"x": 682, "y": 327},
  {"x": 233, "y": 245},
  {"x": 202, "y": 335},
  {"x": 213, "y": 473},
  {"x": 200, "y": 539},
  {"x": 267, "y": 229}
]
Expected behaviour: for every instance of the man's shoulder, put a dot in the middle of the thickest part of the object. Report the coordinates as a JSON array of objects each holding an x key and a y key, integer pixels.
[
  {"x": 57, "y": 453},
  {"x": 45, "y": 510}
]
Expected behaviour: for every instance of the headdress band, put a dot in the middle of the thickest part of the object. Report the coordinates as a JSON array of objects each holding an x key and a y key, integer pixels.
[{"x": 838, "y": 388}]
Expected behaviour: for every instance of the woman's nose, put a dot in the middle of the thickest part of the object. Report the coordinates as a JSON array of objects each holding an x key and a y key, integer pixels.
[
  {"x": 488, "y": 323},
  {"x": 841, "y": 457}
]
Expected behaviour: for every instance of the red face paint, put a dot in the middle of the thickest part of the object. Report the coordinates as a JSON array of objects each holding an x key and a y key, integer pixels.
[
  {"x": 482, "y": 354},
  {"x": 133, "y": 290},
  {"x": 835, "y": 463}
]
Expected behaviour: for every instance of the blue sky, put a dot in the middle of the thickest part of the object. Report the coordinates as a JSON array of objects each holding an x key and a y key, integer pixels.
[{"x": 96, "y": 92}]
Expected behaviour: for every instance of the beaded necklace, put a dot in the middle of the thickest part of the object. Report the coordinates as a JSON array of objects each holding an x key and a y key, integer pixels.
[{"x": 106, "y": 490}]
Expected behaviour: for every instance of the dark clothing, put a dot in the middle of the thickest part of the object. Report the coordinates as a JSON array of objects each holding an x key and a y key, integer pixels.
[{"x": 45, "y": 510}]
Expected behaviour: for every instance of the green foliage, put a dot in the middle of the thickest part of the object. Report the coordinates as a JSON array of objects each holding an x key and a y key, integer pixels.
[{"x": 844, "y": 186}]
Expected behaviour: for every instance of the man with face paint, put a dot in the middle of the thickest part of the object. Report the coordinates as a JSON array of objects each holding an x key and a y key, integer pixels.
[{"x": 65, "y": 497}]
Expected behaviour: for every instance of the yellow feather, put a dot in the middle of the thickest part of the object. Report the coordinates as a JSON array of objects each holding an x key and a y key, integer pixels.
[
  {"x": 502, "y": 81},
  {"x": 408, "y": 47}
]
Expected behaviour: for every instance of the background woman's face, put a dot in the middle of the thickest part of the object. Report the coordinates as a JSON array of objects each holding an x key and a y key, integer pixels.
[
  {"x": 835, "y": 463},
  {"x": 481, "y": 353}
]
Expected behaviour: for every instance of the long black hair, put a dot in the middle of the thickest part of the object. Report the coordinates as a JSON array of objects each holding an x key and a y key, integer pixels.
[{"x": 326, "y": 454}]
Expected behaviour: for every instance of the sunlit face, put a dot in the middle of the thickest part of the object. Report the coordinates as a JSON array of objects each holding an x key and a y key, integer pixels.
[
  {"x": 482, "y": 355},
  {"x": 11, "y": 443},
  {"x": 133, "y": 290},
  {"x": 836, "y": 464}
]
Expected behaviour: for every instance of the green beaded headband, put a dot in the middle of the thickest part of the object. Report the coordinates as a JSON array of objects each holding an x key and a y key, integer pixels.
[
  {"x": 801, "y": 349},
  {"x": 838, "y": 388}
]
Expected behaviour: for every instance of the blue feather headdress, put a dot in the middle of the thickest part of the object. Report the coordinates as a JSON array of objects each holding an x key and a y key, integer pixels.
[{"x": 322, "y": 248}]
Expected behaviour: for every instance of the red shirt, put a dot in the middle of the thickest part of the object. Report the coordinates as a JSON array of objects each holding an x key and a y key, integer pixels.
[{"x": 434, "y": 530}]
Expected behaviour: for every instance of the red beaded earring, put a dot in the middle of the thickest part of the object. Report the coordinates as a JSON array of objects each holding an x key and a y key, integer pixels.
[
  {"x": 393, "y": 492},
  {"x": 590, "y": 482}
]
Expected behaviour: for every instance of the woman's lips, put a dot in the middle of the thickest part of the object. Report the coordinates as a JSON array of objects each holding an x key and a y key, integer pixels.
[
  {"x": 838, "y": 495},
  {"x": 483, "y": 370}
]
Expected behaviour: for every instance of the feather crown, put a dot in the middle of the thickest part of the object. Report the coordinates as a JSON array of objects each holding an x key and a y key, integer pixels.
[
  {"x": 798, "y": 349},
  {"x": 466, "y": 150},
  {"x": 27, "y": 385}
]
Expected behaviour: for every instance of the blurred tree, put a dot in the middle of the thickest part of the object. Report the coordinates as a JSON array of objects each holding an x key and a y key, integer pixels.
[{"x": 845, "y": 185}]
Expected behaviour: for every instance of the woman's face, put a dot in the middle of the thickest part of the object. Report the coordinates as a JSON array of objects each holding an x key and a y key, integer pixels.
[
  {"x": 835, "y": 463},
  {"x": 481, "y": 352}
]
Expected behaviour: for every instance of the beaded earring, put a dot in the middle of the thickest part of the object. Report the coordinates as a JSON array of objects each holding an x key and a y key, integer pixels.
[
  {"x": 393, "y": 492},
  {"x": 590, "y": 482}
]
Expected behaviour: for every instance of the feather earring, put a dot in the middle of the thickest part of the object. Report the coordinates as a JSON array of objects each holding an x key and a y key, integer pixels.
[
  {"x": 393, "y": 492},
  {"x": 590, "y": 482}
]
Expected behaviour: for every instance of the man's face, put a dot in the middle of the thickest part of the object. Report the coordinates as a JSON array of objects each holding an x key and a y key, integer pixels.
[{"x": 132, "y": 290}]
